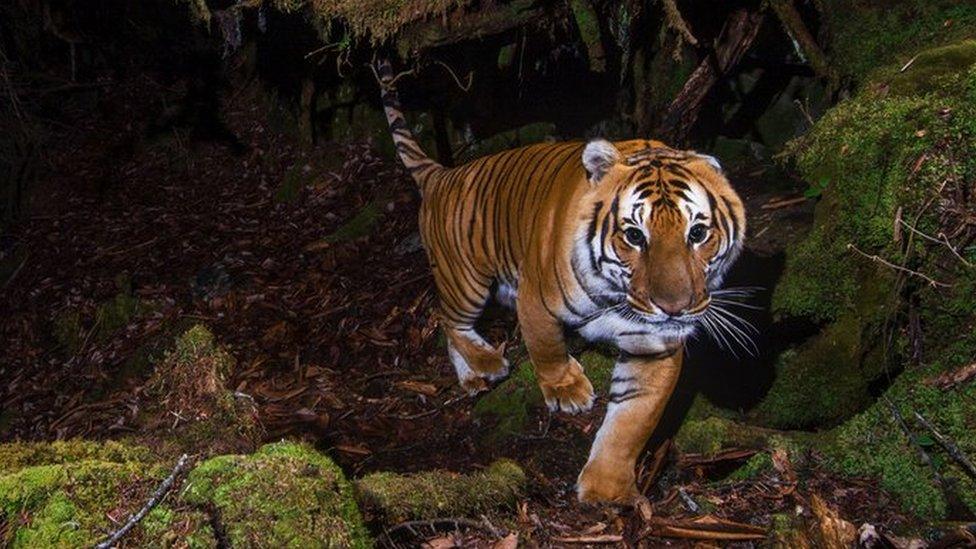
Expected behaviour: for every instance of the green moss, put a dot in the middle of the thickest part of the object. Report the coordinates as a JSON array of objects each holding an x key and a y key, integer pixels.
[
  {"x": 928, "y": 72},
  {"x": 828, "y": 378},
  {"x": 703, "y": 436},
  {"x": 116, "y": 313},
  {"x": 66, "y": 504},
  {"x": 190, "y": 384},
  {"x": 18, "y": 455},
  {"x": 66, "y": 329},
  {"x": 359, "y": 226},
  {"x": 906, "y": 134},
  {"x": 508, "y": 405},
  {"x": 757, "y": 466},
  {"x": 867, "y": 34},
  {"x": 283, "y": 495},
  {"x": 431, "y": 494}
]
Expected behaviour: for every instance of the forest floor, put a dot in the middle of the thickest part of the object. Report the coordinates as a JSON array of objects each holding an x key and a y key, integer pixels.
[{"x": 305, "y": 263}]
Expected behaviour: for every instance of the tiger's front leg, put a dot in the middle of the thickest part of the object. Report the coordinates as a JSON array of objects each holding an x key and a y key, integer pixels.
[
  {"x": 639, "y": 391},
  {"x": 562, "y": 381}
]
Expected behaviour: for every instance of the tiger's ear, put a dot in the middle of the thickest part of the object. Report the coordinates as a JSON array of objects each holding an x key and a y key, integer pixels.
[
  {"x": 598, "y": 157},
  {"x": 712, "y": 161}
]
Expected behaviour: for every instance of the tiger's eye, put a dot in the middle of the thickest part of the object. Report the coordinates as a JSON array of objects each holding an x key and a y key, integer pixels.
[
  {"x": 698, "y": 234},
  {"x": 634, "y": 236}
]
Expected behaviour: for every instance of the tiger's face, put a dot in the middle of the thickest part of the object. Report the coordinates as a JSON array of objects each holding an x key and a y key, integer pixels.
[{"x": 666, "y": 227}]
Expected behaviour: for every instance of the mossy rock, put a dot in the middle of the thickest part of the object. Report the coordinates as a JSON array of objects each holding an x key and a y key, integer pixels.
[
  {"x": 283, "y": 495},
  {"x": 829, "y": 378},
  {"x": 15, "y": 456},
  {"x": 867, "y": 34},
  {"x": 60, "y": 494},
  {"x": 509, "y": 406},
  {"x": 395, "y": 498},
  {"x": 906, "y": 135}
]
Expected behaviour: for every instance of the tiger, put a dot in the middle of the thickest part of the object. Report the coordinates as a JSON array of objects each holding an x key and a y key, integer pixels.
[{"x": 620, "y": 242}]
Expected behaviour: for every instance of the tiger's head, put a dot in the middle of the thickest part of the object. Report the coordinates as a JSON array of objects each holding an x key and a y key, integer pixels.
[{"x": 665, "y": 228}]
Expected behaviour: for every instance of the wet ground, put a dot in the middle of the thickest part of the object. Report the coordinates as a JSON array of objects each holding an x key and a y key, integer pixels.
[{"x": 332, "y": 331}]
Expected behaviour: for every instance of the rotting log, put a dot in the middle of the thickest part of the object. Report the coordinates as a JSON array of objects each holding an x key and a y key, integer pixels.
[
  {"x": 472, "y": 25},
  {"x": 805, "y": 42},
  {"x": 737, "y": 36}
]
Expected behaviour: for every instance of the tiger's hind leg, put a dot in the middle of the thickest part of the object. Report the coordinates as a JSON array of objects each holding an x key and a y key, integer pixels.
[{"x": 475, "y": 360}]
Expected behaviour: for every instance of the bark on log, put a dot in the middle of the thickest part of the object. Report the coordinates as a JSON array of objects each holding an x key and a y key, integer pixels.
[{"x": 734, "y": 41}]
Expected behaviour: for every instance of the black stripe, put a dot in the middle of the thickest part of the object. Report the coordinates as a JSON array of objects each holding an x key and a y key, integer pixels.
[
  {"x": 617, "y": 398},
  {"x": 631, "y": 357}
]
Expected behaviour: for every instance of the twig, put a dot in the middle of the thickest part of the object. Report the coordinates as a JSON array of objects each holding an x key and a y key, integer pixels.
[
  {"x": 951, "y": 448},
  {"x": 878, "y": 259},
  {"x": 455, "y": 522},
  {"x": 944, "y": 240},
  {"x": 909, "y": 64},
  {"x": 464, "y": 88},
  {"x": 392, "y": 81},
  {"x": 922, "y": 454},
  {"x": 157, "y": 496},
  {"x": 14, "y": 274}
]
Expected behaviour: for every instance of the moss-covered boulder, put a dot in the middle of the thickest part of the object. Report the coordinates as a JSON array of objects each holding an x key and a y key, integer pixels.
[
  {"x": 62, "y": 494},
  {"x": 888, "y": 272},
  {"x": 187, "y": 405},
  {"x": 394, "y": 497},
  {"x": 15, "y": 456},
  {"x": 77, "y": 493},
  {"x": 283, "y": 495}
]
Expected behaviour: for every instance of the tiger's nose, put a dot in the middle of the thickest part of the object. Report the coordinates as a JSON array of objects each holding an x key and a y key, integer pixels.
[{"x": 673, "y": 306}]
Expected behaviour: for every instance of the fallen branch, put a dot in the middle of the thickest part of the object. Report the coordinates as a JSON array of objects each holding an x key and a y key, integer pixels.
[
  {"x": 949, "y": 446},
  {"x": 948, "y": 380},
  {"x": 601, "y": 539},
  {"x": 734, "y": 41},
  {"x": 878, "y": 259},
  {"x": 707, "y": 527},
  {"x": 806, "y": 45},
  {"x": 157, "y": 496}
]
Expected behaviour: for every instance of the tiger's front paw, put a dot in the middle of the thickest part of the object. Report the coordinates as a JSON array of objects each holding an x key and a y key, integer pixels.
[
  {"x": 572, "y": 393},
  {"x": 606, "y": 484}
]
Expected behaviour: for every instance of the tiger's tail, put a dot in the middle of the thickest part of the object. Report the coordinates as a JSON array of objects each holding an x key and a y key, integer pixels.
[{"x": 420, "y": 166}]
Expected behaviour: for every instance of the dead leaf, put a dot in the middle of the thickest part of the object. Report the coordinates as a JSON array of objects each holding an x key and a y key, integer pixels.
[
  {"x": 428, "y": 389},
  {"x": 782, "y": 464},
  {"x": 833, "y": 531},
  {"x": 508, "y": 542},
  {"x": 444, "y": 542}
]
